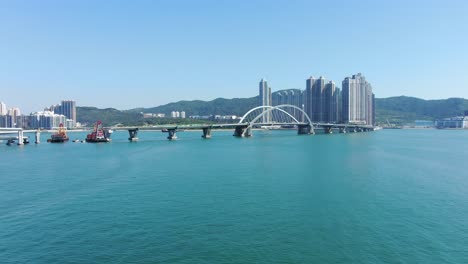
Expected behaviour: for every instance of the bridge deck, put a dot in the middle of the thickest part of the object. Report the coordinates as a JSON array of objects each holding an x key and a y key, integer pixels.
[{"x": 230, "y": 126}]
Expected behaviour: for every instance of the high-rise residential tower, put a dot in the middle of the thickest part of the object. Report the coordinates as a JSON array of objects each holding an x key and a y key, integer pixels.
[
  {"x": 357, "y": 100},
  {"x": 66, "y": 108},
  {"x": 321, "y": 100},
  {"x": 308, "y": 96},
  {"x": 3, "y": 109},
  {"x": 289, "y": 97},
  {"x": 264, "y": 92},
  {"x": 69, "y": 109},
  {"x": 318, "y": 100},
  {"x": 330, "y": 103}
]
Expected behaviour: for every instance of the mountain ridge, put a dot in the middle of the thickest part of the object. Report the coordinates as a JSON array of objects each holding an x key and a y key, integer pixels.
[{"x": 396, "y": 109}]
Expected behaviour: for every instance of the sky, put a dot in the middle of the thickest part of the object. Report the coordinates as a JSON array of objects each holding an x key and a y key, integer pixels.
[{"x": 128, "y": 54}]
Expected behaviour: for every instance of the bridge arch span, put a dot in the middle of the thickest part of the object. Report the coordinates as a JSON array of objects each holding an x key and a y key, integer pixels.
[{"x": 276, "y": 115}]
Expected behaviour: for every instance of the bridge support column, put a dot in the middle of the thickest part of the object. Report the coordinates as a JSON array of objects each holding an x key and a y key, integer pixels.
[
  {"x": 206, "y": 132},
  {"x": 239, "y": 131},
  {"x": 20, "y": 137},
  {"x": 242, "y": 131},
  {"x": 171, "y": 133},
  {"x": 328, "y": 129},
  {"x": 343, "y": 130},
  {"x": 248, "y": 132},
  {"x": 133, "y": 134},
  {"x": 37, "y": 136},
  {"x": 354, "y": 129},
  {"x": 304, "y": 129}
]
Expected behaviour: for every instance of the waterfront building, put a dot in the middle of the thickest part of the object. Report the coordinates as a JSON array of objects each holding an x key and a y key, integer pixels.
[
  {"x": 265, "y": 99},
  {"x": 330, "y": 103},
  {"x": 423, "y": 123},
  {"x": 69, "y": 109},
  {"x": 3, "y": 109},
  {"x": 290, "y": 97},
  {"x": 12, "y": 118},
  {"x": 357, "y": 100},
  {"x": 339, "y": 106},
  {"x": 48, "y": 120},
  {"x": 14, "y": 111},
  {"x": 66, "y": 108},
  {"x": 321, "y": 100},
  {"x": 453, "y": 122},
  {"x": 175, "y": 114},
  {"x": 318, "y": 100},
  {"x": 308, "y": 98}
]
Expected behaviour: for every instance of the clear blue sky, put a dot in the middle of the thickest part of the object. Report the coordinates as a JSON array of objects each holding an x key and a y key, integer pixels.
[{"x": 127, "y": 54}]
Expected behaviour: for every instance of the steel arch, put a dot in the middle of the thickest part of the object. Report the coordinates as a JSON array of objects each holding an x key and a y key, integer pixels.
[{"x": 268, "y": 108}]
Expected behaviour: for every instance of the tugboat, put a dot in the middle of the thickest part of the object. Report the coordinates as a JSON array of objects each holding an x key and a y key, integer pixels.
[
  {"x": 60, "y": 136},
  {"x": 99, "y": 134}
]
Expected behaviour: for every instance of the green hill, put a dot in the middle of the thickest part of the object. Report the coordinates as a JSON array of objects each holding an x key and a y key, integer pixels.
[
  {"x": 397, "y": 110},
  {"x": 403, "y": 109},
  {"x": 219, "y": 106},
  {"x": 108, "y": 116}
]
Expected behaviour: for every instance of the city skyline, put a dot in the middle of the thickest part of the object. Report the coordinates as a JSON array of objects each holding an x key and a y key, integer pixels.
[{"x": 129, "y": 55}]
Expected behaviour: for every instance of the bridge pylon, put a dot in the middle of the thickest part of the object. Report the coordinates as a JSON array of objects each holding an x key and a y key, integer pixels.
[
  {"x": 171, "y": 133},
  {"x": 133, "y": 132},
  {"x": 243, "y": 131},
  {"x": 206, "y": 132},
  {"x": 304, "y": 129}
]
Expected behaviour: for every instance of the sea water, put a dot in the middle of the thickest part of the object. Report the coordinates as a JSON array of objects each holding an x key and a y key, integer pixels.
[{"x": 390, "y": 196}]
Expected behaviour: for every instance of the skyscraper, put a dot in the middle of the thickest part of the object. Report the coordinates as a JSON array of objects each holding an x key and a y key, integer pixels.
[
  {"x": 69, "y": 109},
  {"x": 308, "y": 100},
  {"x": 330, "y": 103},
  {"x": 321, "y": 100},
  {"x": 357, "y": 99},
  {"x": 3, "y": 109},
  {"x": 265, "y": 98},
  {"x": 289, "y": 97},
  {"x": 318, "y": 100},
  {"x": 66, "y": 108}
]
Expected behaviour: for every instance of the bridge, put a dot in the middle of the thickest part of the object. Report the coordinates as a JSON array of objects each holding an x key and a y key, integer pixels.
[
  {"x": 266, "y": 117},
  {"x": 16, "y": 134},
  {"x": 261, "y": 117}
]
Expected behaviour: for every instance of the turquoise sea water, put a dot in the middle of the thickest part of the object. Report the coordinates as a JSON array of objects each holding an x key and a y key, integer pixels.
[{"x": 391, "y": 196}]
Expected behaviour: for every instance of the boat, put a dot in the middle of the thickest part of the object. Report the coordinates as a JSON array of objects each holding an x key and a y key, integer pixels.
[
  {"x": 60, "y": 136},
  {"x": 99, "y": 134}
]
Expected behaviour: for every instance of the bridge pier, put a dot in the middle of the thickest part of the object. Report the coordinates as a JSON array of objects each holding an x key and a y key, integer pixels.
[
  {"x": 20, "y": 137},
  {"x": 171, "y": 133},
  {"x": 248, "y": 132},
  {"x": 206, "y": 132},
  {"x": 133, "y": 134},
  {"x": 242, "y": 131},
  {"x": 37, "y": 136},
  {"x": 343, "y": 130},
  {"x": 328, "y": 129},
  {"x": 304, "y": 129}
]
